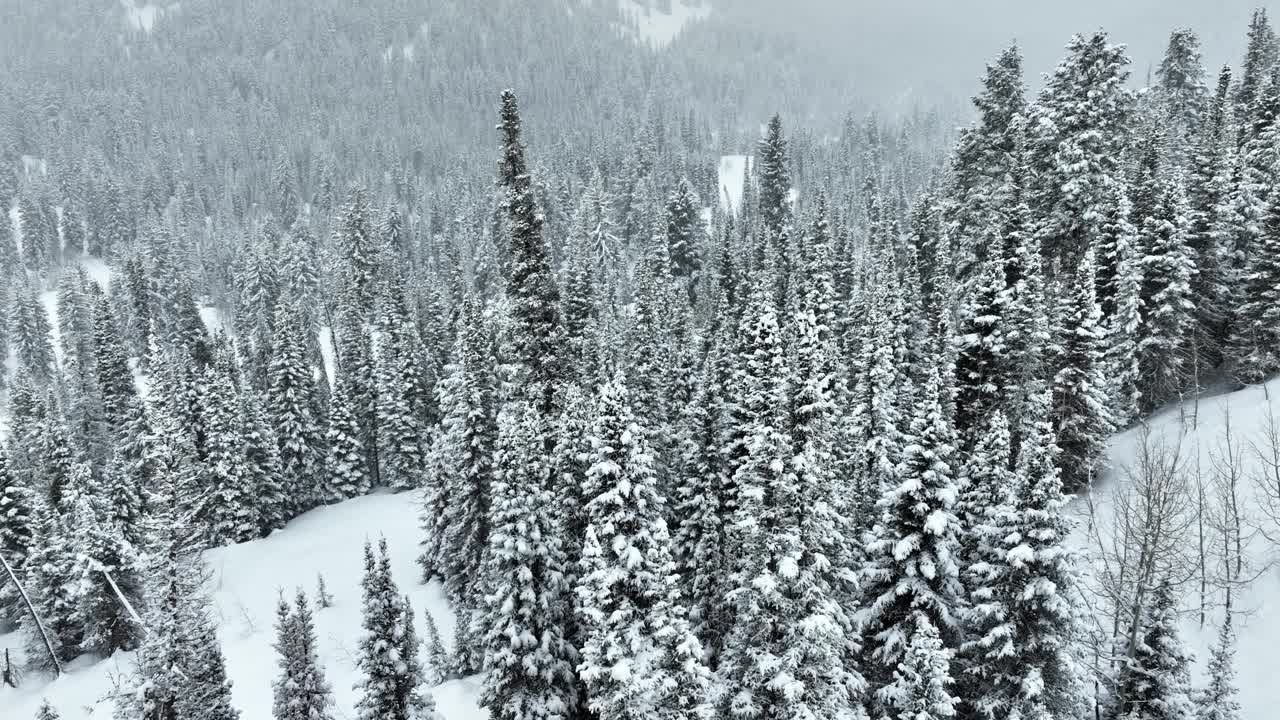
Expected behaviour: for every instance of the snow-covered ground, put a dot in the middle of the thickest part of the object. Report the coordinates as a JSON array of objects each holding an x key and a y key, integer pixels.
[
  {"x": 1199, "y": 431},
  {"x": 657, "y": 28},
  {"x": 143, "y": 15},
  {"x": 732, "y": 172},
  {"x": 246, "y": 580}
]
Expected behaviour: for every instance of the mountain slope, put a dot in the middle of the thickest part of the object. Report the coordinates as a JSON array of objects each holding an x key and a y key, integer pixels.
[
  {"x": 1197, "y": 433},
  {"x": 245, "y": 581}
]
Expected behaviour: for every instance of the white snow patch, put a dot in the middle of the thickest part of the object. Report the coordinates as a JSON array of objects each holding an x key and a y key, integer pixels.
[
  {"x": 657, "y": 28},
  {"x": 140, "y": 17},
  {"x": 733, "y": 169},
  {"x": 212, "y": 318},
  {"x": 327, "y": 353},
  {"x": 244, "y": 585},
  {"x": 32, "y": 164}
]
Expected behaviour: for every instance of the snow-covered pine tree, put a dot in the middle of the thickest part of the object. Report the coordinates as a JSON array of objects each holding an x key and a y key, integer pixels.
[
  {"x": 1021, "y": 624},
  {"x": 980, "y": 346},
  {"x": 388, "y": 661},
  {"x": 1257, "y": 339},
  {"x": 356, "y": 361},
  {"x": 456, "y": 513},
  {"x": 358, "y": 245},
  {"x": 1218, "y": 700},
  {"x": 53, "y": 582},
  {"x": 921, "y": 687},
  {"x": 874, "y": 415},
  {"x": 911, "y": 565},
  {"x": 683, "y": 231},
  {"x": 115, "y": 381},
  {"x": 1208, "y": 230},
  {"x": 1077, "y": 132},
  {"x": 538, "y": 334},
  {"x": 983, "y": 155},
  {"x": 31, "y": 335},
  {"x": 271, "y": 504},
  {"x": 1167, "y": 308},
  {"x": 180, "y": 669},
  {"x": 701, "y": 499},
  {"x": 291, "y": 391},
  {"x": 1081, "y": 418},
  {"x": 403, "y": 410},
  {"x": 526, "y": 599},
  {"x": 47, "y": 712},
  {"x": 639, "y": 658},
  {"x": 346, "y": 473},
  {"x": 301, "y": 691},
  {"x": 1155, "y": 680},
  {"x": 228, "y": 503},
  {"x": 1181, "y": 90},
  {"x": 1255, "y": 72},
  {"x": 109, "y": 624},
  {"x": 775, "y": 184},
  {"x": 18, "y": 515}
]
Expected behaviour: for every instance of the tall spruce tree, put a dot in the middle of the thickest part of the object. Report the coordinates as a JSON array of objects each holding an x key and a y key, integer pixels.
[
  {"x": 911, "y": 566},
  {"x": 538, "y": 333},
  {"x": 639, "y": 658},
  {"x": 528, "y": 656}
]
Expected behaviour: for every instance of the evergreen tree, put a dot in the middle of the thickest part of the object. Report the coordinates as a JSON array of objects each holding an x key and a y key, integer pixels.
[
  {"x": 1077, "y": 134},
  {"x": 911, "y": 566},
  {"x": 31, "y": 335},
  {"x": 400, "y": 385},
  {"x": 1155, "y": 681},
  {"x": 528, "y": 657},
  {"x": 47, "y": 712},
  {"x": 228, "y": 507},
  {"x": 682, "y": 235},
  {"x": 537, "y": 335},
  {"x": 1260, "y": 57},
  {"x": 108, "y": 622},
  {"x": 983, "y": 155},
  {"x": 292, "y": 402},
  {"x": 775, "y": 185},
  {"x": 1208, "y": 230},
  {"x": 345, "y": 467},
  {"x": 1182, "y": 88},
  {"x": 392, "y": 677},
  {"x": 921, "y": 687},
  {"x": 1167, "y": 308},
  {"x": 52, "y": 581},
  {"x": 358, "y": 245},
  {"x": 1081, "y": 418},
  {"x": 639, "y": 658},
  {"x": 17, "y": 531},
  {"x": 1022, "y": 626},
  {"x": 301, "y": 691},
  {"x": 356, "y": 362},
  {"x": 458, "y": 512},
  {"x": 1218, "y": 700}
]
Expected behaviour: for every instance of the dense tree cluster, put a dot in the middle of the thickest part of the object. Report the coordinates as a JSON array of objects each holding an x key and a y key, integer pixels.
[{"x": 804, "y": 454}]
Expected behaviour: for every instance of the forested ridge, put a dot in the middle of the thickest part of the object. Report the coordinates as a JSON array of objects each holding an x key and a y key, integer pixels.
[{"x": 797, "y": 444}]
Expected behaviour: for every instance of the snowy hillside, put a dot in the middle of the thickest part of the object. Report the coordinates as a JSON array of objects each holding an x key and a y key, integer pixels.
[
  {"x": 246, "y": 580},
  {"x": 1243, "y": 418},
  {"x": 657, "y": 28}
]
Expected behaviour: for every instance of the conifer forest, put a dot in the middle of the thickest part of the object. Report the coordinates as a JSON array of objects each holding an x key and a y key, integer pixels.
[{"x": 630, "y": 360}]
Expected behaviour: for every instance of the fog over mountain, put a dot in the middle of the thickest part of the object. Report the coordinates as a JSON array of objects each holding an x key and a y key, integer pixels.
[{"x": 934, "y": 48}]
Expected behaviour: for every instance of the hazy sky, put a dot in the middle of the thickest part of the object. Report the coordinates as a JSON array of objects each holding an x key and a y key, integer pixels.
[{"x": 927, "y": 47}]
